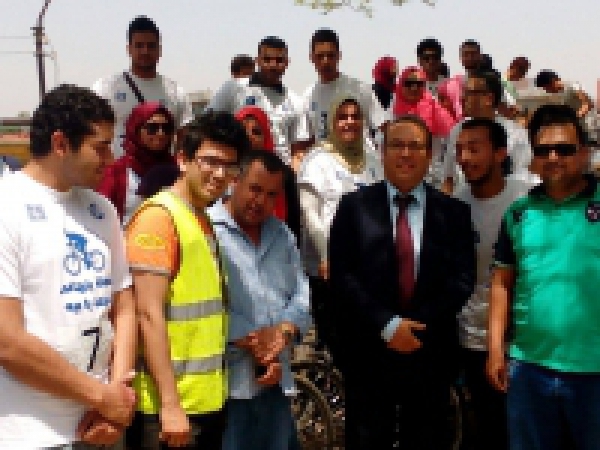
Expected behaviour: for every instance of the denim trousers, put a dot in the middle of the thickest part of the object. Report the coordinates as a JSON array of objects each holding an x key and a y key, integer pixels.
[
  {"x": 263, "y": 422},
  {"x": 552, "y": 410}
]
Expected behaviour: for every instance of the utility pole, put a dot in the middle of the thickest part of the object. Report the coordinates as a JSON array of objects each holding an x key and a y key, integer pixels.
[{"x": 38, "y": 32}]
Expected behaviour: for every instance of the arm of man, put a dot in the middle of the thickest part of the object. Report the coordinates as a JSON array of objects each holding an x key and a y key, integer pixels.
[
  {"x": 344, "y": 265},
  {"x": 152, "y": 247},
  {"x": 503, "y": 279},
  {"x": 34, "y": 363},
  {"x": 586, "y": 103}
]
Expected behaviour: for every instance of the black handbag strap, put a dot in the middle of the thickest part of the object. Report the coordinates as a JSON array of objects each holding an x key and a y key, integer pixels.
[{"x": 134, "y": 88}]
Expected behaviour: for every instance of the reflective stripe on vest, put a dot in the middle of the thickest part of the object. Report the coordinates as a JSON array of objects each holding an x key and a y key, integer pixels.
[
  {"x": 198, "y": 365},
  {"x": 196, "y": 320},
  {"x": 194, "y": 310}
]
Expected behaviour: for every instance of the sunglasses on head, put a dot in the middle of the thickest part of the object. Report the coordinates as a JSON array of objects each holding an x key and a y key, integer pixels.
[
  {"x": 543, "y": 151},
  {"x": 152, "y": 128},
  {"x": 413, "y": 83}
]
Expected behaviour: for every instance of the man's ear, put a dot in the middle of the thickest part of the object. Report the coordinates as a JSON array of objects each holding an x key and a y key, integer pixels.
[
  {"x": 181, "y": 160},
  {"x": 59, "y": 143}
]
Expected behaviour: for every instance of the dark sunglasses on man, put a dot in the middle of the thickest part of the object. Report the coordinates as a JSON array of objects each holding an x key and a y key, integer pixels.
[
  {"x": 153, "y": 128},
  {"x": 543, "y": 150}
]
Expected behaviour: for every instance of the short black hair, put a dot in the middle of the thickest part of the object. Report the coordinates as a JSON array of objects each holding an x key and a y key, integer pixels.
[
  {"x": 487, "y": 63},
  {"x": 142, "y": 24},
  {"x": 551, "y": 114},
  {"x": 239, "y": 62},
  {"x": 545, "y": 78},
  {"x": 272, "y": 42},
  {"x": 493, "y": 84},
  {"x": 69, "y": 109},
  {"x": 324, "y": 35},
  {"x": 430, "y": 44},
  {"x": 496, "y": 132},
  {"x": 269, "y": 160},
  {"x": 444, "y": 70},
  {"x": 410, "y": 118},
  {"x": 471, "y": 43},
  {"x": 215, "y": 126}
]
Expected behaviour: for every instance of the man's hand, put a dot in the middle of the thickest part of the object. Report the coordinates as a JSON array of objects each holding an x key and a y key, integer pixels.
[
  {"x": 323, "y": 270},
  {"x": 95, "y": 429},
  {"x": 497, "y": 370},
  {"x": 270, "y": 342},
  {"x": 117, "y": 401},
  {"x": 176, "y": 430},
  {"x": 272, "y": 376},
  {"x": 404, "y": 340}
]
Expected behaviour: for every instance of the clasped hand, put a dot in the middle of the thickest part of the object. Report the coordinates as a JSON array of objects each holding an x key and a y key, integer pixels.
[{"x": 265, "y": 345}]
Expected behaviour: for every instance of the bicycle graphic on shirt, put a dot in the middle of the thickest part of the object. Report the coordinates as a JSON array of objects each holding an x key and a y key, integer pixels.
[{"x": 79, "y": 257}]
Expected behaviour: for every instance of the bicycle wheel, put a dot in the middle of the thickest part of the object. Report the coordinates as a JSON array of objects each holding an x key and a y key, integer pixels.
[
  {"x": 314, "y": 421},
  {"x": 330, "y": 383}
]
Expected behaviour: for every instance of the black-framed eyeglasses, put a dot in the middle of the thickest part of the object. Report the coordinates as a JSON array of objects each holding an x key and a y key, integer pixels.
[
  {"x": 153, "y": 128},
  {"x": 543, "y": 150},
  {"x": 256, "y": 131},
  {"x": 413, "y": 146},
  {"x": 475, "y": 92},
  {"x": 231, "y": 169},
  {"x": 413, "y": 83}
]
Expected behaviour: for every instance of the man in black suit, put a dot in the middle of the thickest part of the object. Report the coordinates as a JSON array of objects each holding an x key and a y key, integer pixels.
[{"x": 402, "y": 265}]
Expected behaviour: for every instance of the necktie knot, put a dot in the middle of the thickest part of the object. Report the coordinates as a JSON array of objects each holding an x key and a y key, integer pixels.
[{"x": 404, "y": 201}]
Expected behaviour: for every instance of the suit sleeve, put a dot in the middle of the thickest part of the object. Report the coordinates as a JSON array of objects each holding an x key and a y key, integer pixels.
[
  {"x": 345, "y": 266},
  {"x": 461, "y": 270}
]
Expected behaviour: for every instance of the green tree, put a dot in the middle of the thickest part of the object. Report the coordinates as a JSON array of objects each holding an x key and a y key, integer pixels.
[{"x": 365, "y": 6}]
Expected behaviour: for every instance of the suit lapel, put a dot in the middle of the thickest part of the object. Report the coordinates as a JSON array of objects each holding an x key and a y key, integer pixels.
[{"x": 432, "y": 227}]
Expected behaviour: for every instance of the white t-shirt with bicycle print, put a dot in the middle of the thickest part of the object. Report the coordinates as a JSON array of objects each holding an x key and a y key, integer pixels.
[{"x": 62, "y": 255}]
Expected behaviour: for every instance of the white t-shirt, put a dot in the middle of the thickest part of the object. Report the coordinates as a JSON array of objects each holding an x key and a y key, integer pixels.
[
  {"x": 116, "y": 90},
  {"x": 62, "y": 254},
  {"x": 486, "y": 215},
  {"x": 322, "y": 181},
  {"x": 317, "y": 100},
  {"x": 132, "y": 199},
  {"x": 288, "y": 123},
  {"x": 518, "y": 148}
]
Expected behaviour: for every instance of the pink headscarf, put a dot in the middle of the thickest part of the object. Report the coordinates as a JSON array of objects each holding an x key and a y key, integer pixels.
[
  {"x": 452, "y": 89},
  {"x": 439, "y": 121}
]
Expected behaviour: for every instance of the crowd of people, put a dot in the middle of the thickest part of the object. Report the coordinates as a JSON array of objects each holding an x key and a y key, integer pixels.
[{"x": 156, "y": 268}]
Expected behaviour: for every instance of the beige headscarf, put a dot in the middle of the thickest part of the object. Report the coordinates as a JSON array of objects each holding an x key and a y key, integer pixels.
[{"x": 351, "y": 155}]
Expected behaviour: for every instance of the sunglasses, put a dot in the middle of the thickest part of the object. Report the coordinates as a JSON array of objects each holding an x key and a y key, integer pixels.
[
  {"x": 152, "y": 128},
  {"x": 543, "y": 151},
  {"x": 413, "y": 83}
]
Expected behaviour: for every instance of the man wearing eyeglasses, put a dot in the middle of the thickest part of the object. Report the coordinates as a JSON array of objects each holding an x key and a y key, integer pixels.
[
  {"x": 397, "y": 313},
  {"x": 429, "y": 56},
  {"x": 482, "y": 94},
  {"x": 546, "y": 279},
  {"x": 179, "y": 282}
]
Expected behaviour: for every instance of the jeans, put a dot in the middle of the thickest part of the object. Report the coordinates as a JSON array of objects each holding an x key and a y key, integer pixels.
[
  {"x": 264, "y": 422},
  {"x": 552, "y": 410}
]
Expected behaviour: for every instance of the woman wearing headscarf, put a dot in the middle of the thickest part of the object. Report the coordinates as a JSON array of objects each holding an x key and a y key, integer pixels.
[
  {"x": 149, "y": 132},
  {"x": 333, "y": 168},
  {"x": 449, "y": 96},
  {"x": 287, "y": 205},
  {"x": 384, "y": 74}
]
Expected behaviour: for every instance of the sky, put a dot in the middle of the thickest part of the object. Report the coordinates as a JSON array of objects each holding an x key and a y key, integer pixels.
[{"x": 199, "y": 37}]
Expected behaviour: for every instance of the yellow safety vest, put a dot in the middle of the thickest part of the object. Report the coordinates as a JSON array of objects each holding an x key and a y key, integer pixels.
[{"x": 196, "y": 320}]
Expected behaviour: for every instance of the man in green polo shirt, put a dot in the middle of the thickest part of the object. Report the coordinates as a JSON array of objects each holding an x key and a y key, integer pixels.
[{"x": 547, "y": 280}]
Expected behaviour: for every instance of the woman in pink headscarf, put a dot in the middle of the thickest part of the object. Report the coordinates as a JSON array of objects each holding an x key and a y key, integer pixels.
[
  {"x": 412, "y": 97},
  {"x": 384, "y": 74},
  {"x": 449, "y": 96}
]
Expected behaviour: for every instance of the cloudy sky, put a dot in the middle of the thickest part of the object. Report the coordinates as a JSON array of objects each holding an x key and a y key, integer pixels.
[{"x": 200, "y": 36}]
